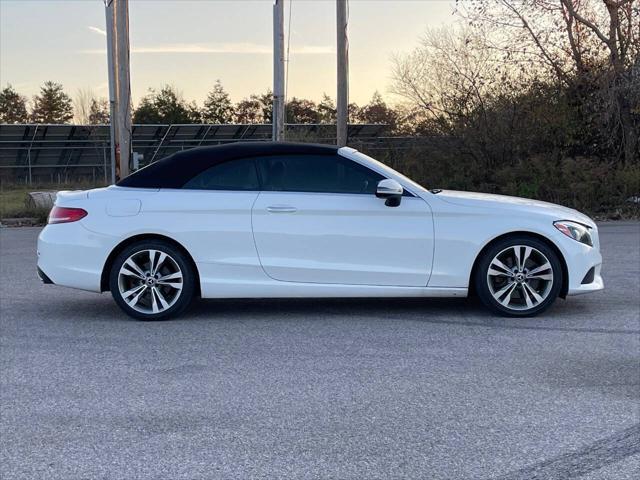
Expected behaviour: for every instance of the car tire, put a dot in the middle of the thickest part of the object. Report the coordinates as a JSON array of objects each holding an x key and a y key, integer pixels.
[
  {"x": 152, "y": 280},
  {"x": 518, "y": 276}
]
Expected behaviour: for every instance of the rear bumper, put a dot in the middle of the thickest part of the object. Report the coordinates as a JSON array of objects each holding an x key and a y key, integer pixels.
[{"x": 71, "y": 256}]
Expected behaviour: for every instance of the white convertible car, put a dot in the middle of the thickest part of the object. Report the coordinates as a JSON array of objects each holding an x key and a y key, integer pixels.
[{"x": 256, "y": 220}]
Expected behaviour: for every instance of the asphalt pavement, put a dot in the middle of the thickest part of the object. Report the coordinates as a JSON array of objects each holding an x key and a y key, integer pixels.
[{"x": 335, "y": 389}]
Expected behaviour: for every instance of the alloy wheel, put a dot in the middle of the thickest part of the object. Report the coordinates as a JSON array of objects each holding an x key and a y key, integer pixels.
[
  {"x": 520, "y": 277},
  {"x": 150, "y": 281}
]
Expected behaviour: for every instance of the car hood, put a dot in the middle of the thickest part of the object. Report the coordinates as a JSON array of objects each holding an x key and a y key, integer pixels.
[{"x": 515, "y": 204}]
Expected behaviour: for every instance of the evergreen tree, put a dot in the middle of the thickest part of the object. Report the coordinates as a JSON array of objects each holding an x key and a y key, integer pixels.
[
  {"x": 217, "y": 107},
  {"x": 13, "y": 106},
  {"x": 52, "y": 105},
  {"x": 327, "y": 109}
]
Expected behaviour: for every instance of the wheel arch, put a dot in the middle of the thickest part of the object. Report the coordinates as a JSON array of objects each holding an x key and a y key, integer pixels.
[
  {"x": 104, "y": 279},
  {"x": 565, "y": 272}
]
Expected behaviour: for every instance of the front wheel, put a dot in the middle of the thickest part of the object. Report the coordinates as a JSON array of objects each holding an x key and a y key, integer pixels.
[
  {"x": 152, "y": 280},
  {"x": 518, "y": 277}
]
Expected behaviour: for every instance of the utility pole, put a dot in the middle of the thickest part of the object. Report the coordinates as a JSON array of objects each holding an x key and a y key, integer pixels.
[
  {"x": 121, "y": 16},
  {"x": 342, "y": 100},
  {"x": 111, "y": 70},
  {"x": 278, "y": 113}
]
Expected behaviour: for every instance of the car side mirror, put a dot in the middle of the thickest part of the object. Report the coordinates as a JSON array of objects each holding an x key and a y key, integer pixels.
[{"x": 391, "y": 191}]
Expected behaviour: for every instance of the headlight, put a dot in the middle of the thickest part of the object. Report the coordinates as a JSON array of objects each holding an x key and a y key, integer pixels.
[{"x": 577, "y": 231}]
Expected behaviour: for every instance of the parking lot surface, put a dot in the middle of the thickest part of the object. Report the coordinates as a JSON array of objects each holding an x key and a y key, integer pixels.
[{"x": 343, "y": 389}]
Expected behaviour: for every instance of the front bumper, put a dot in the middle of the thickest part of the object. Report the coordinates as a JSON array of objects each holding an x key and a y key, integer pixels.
[
  {"x": 580, "y": 259},
  {"x": 43, "y": 276},
  {"x": 595, "y": 285}
]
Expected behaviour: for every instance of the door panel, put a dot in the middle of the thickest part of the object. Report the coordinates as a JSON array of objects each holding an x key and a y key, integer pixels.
[
  {"x": 343, "y": 238},
  {"x": 215, "y": 226}
]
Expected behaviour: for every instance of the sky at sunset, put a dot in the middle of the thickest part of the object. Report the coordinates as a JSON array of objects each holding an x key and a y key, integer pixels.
[{"x": 190, "y": 44}]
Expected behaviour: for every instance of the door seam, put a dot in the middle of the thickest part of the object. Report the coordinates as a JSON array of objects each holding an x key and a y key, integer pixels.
[{"x": 255, "y": 244}]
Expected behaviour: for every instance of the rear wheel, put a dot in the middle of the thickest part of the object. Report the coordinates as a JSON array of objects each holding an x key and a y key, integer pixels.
[
  {"x": 518, "y": 276},
  {"x": 152, "y": 280}
]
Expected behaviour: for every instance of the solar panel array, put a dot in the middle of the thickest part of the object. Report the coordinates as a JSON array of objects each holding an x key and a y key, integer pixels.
[{"x": 57, "y": 153}]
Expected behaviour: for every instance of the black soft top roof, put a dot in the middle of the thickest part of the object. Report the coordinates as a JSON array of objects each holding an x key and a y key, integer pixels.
[{"x": 177, "y": 169}]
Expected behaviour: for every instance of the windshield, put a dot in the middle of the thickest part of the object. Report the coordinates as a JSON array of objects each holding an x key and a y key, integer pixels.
[{"x": 389, "y": 170}]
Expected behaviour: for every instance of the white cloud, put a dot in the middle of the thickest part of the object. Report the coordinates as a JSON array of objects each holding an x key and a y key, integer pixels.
[
  {"x": 233, "y": 48},
  {"x": 97, "y": 30}
]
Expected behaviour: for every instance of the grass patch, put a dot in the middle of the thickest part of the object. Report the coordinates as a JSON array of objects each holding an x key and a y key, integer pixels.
[
  {"x": 13, "y": 202},
  {"x": 13, "y": 199}
]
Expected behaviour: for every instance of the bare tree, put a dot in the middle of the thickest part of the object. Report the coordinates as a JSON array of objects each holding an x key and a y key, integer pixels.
[
  {"x": 591, "y": 46},
  {"x": 82, "y": 106},
  {"x": 89, "y": 109},
  {"x": 447, "y": 80}
]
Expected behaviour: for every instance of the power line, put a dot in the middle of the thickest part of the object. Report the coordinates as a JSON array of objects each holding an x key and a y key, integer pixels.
[
  {"x": 346, "y": 41},
  {"x": 286, "y": 82}
]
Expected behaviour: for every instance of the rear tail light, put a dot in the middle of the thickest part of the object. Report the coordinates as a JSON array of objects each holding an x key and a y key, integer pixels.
[{"x": 66, "y": 215}]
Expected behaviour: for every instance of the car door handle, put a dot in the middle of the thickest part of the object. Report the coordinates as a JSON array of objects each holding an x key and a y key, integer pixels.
[{"x": 281, "y": 209}]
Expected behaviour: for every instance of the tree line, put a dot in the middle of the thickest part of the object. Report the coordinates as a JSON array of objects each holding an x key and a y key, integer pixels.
[
  {"x": 519, "y": 79},
  {"x": 167, "y": 106}
]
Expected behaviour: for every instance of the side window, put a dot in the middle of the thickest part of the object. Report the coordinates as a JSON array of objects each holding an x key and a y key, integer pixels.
[
  {"x": 238, "y": 174},
  {"x": 316, "y": 173}
]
